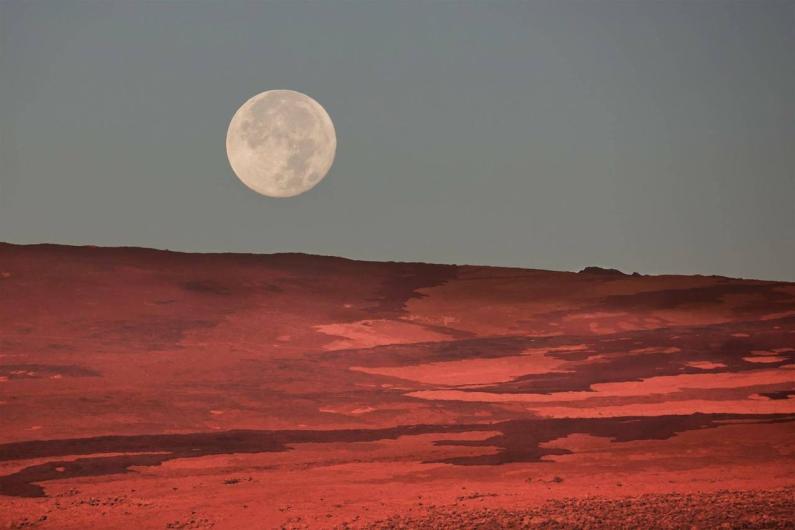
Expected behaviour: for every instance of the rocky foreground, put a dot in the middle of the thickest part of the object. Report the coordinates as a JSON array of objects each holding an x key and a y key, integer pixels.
[{"x": 770, "y": 509}]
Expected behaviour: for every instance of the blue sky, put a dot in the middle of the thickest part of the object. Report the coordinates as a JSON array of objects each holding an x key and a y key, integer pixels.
[{"x": 649, "y": 136}]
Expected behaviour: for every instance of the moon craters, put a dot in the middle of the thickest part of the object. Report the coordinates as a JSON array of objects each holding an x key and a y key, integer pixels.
[{"x": 281, "y": 143}]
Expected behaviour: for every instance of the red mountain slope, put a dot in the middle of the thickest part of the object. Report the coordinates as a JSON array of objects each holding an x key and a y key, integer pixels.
[{"x": 151, "y": 389}]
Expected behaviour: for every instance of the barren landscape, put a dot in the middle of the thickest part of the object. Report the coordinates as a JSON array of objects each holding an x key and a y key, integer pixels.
[{"x": 153, "y": 389}]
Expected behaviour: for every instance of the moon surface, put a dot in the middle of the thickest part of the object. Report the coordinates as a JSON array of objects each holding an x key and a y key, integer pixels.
[{"x": 281, "y": 143}]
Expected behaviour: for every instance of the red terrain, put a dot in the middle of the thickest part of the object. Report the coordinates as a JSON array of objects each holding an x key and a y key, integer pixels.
[{"x": 151, "y": 389}]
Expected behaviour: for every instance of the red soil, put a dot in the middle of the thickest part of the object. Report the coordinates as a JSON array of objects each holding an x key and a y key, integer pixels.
[{"x": 149, "y": 389}]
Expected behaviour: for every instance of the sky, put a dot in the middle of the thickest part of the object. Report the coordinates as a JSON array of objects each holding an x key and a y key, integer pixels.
[{"x": 649, "y": 136}]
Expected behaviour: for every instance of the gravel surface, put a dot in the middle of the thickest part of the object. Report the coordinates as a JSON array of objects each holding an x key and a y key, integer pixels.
[{"x": 773, "y": 509}]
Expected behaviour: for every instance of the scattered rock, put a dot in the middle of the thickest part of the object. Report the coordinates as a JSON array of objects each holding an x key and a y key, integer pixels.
[{"x": 772, "y": 509}]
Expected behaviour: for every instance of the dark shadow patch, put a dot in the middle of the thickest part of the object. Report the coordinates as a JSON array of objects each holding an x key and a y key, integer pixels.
[
  {"x": 207, "y": 287},
  {"x": 518, "y": 441},
  {"x": 401, "y": 286},
  {"x": 651, "y": 358},
  {"x": 621, "y": 357},
  {"x": 781, "y": 394},
  {"x": 521, "y": 440},
  {"x": 766, "y": 298}
]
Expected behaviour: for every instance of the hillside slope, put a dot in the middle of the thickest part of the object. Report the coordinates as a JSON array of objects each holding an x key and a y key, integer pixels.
[{"x": 143, "y": 388}]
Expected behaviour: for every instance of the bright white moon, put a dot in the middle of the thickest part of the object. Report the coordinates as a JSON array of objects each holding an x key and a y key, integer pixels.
[{"x": 281, "y": 143}]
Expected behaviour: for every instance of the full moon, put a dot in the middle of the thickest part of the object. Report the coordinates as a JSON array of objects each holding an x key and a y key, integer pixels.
[{"x": 281, "y": 143}]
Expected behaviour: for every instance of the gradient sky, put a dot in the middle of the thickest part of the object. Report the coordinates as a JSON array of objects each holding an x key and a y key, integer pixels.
[{"x": 646, "y": 135}]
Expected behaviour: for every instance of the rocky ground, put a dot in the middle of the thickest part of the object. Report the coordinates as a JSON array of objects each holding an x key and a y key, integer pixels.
[
  {"x": 722, "y": 509},
  {"x": 152, "y": 389}
]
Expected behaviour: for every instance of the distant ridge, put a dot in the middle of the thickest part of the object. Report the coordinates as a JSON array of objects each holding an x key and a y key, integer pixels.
[{"x": 303, "y": 257}]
